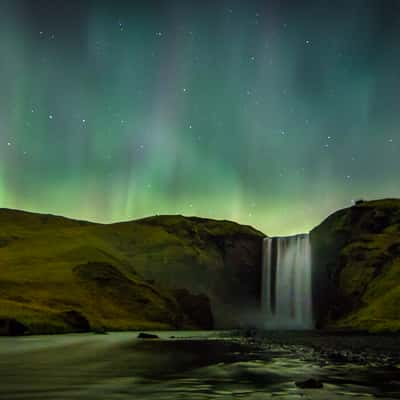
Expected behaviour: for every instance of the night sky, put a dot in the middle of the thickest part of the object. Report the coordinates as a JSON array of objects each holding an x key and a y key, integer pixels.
[{"x": 271, "y": 113}]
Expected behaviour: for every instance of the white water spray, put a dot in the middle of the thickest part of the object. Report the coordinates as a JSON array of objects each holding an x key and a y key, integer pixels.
[{"x": 286, "y": 283}]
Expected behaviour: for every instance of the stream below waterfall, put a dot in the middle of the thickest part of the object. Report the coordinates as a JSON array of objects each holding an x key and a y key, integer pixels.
[{"x": 197, "y": 365}]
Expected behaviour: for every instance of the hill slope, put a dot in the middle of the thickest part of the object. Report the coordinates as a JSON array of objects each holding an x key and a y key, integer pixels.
[
  {"x": 357, "y": 267},
  {"x": 55, "y": 273}
]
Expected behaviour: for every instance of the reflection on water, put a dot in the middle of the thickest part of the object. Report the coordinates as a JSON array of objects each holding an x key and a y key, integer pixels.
[{"x": 118, "y": 366}]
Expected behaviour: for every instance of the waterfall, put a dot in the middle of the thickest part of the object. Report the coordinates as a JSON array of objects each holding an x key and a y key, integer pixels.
[{"x": 286, "y": 283}]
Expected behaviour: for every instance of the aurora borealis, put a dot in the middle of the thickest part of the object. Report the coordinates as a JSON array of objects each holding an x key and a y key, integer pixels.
[{"x": 269, "y": 113}]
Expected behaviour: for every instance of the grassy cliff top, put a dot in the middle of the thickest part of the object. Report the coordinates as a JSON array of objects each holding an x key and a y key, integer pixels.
[{"x": 360, "y": 212}]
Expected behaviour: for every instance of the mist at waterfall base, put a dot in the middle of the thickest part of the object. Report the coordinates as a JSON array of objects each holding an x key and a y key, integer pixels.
[{"x": 286, "y": 294}]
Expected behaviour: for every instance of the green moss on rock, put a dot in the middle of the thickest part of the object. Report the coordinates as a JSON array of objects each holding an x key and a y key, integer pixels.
[{"x": 357, "y": 267}]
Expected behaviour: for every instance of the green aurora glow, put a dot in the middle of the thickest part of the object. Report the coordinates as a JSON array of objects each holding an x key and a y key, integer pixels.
[{"x": 267, "y": 113}]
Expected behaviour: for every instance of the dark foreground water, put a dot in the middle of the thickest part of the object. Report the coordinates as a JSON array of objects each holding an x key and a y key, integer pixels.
[{"x": 197, "y": 366}]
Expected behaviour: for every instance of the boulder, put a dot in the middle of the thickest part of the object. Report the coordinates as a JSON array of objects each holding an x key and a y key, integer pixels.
[
  {"x": 309, "y": 384},
  {"x": 12, "y": 327},
  {"x": 144, "y": 335}
]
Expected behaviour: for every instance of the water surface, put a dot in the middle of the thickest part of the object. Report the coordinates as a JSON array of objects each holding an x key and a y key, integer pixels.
[{"x": 190, "y": 366}]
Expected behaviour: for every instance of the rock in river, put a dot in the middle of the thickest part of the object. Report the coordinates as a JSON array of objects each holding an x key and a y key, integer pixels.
[
  {"x": 309, "y": 384},
  {"x": 143, "y": 335}
]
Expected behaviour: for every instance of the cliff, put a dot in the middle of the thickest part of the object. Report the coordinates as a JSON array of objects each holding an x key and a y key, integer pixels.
[
  {"x": 164, "y": 272},
  {"x": 221, "y": 259},
  {"x": 356, "y": 254},
  {"x": 175, "y": 272}
]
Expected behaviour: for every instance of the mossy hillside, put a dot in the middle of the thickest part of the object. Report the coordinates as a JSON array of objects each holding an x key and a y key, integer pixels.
[
  {"x": 219, "y": 258},
  {"x": 38, "y": 282},
  {"x": 358, "y": 251},
  {"x": 39, "y": 256}
]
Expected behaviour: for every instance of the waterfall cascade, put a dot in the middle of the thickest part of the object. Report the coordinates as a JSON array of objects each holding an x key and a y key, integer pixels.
[{"x": 286, "y": 283}]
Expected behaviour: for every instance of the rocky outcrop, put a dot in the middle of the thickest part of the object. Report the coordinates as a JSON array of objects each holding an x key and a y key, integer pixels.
[
  {"x": 12, "y": 327},
  {"x": 164, "y": 272},
  {"x": 77, "y": 321},
  {"x": 356, "y": 254},
  {"x": 197, "y": 308}
]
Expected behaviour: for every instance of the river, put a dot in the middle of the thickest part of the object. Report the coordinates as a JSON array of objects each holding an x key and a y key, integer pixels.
[{"x": 180, "y": 365}]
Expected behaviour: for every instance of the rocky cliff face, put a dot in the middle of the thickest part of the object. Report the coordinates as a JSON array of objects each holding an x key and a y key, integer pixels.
[
  {"x": 357, "y": 267},
  {"x": 221, "y": 259},
  {"x": 167, "y": 272}
]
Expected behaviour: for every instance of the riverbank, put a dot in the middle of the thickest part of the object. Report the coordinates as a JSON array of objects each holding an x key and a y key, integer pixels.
[{"x": 329, "y": 346}]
